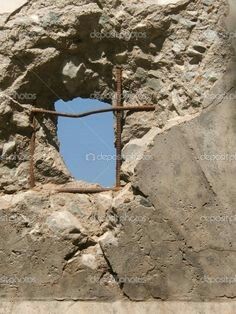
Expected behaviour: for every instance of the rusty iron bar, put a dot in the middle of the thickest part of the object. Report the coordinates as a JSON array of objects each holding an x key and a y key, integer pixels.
[
  {"x": 86, "y": 190},
  {"x": 119, "y": 118},
  {"x": 85, "y": 114},
  {"x": 32, "y": 150}
]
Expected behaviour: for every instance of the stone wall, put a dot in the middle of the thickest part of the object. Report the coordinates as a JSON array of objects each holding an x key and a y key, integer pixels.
[{"x": 169, "y": 231}]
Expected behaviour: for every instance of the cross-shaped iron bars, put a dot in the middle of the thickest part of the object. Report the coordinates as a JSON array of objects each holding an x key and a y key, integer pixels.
[{"x": 118, "y": 108}]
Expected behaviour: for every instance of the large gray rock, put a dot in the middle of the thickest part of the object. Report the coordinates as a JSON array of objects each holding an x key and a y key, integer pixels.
[{"x": 191, "y": 183}]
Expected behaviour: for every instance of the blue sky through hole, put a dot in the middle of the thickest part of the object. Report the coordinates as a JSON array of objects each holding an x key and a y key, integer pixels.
[{"x": 87, "y": 144}]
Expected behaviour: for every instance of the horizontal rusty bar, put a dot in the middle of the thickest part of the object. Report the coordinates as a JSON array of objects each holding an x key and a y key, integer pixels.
[
  {"x": 86, "y": 190},
  {"x": 88, "y": 113}
]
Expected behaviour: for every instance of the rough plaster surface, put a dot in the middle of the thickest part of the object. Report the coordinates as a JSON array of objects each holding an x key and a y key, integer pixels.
[
  {"x": 169, "y": 233},
  {"x": 70, "y": 307}
]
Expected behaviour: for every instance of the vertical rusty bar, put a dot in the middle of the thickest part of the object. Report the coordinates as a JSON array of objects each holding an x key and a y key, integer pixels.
[
  {"x": 119, "y": 117},
  {"x": 32, "y": 150}
]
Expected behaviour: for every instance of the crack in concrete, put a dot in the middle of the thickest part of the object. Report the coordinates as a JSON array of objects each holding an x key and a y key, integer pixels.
[{"x": 113, "y": 273}]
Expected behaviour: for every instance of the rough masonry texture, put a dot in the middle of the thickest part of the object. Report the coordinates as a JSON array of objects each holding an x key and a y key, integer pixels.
[{"x": 170, "y": 231}]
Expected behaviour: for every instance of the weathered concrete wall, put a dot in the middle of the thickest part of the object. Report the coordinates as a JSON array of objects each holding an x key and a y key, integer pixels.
[
  {"x": 118, "y": 307},
  {"x": 170, "y": 229}
]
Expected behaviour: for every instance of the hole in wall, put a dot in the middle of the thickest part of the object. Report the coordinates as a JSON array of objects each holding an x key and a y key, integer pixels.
[{"x": 87, "y": 144}]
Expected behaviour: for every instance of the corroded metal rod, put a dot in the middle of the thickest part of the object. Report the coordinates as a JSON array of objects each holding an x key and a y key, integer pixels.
[
  {"x": 119, "y": 118},
  {"x": 86, "y": 190},
  {"x": 85, "y": 114},
  {"x": 32, "y": 150}
]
